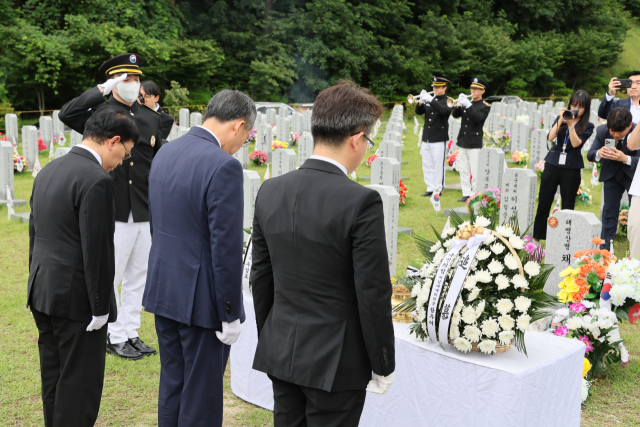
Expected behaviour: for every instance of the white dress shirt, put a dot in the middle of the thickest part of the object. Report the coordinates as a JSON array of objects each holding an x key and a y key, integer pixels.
[
  {"x": 635, "y": 111},
  {"x": 92, "y": 151},
  {"x": 211, "y": 132},
  {"x": 328, "y": 160}
]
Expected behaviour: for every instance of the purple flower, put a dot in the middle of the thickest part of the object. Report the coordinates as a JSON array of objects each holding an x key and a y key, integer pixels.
[
  {"x": 530, "y": 247},
  {"x": 561, "y": 331},
  {"x": 585, "y": 339},
  {"x": 483, "y": 203},
  {"x": 577, "y": 308}
]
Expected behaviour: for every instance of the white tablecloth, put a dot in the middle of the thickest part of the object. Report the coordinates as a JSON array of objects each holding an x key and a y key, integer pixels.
[{"x": 436, "y": 386}]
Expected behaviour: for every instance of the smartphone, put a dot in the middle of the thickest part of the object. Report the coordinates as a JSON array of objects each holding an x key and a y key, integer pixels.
[
  {"x": 624, "y": 83},
  {"x": 610, "y": 143}
]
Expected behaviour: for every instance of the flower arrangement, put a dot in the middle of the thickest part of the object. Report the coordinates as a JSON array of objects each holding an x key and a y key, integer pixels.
[
  {"x": 370, "y": 159},
  {"x": 534, "y": 251},
  {"x": 500, "y": 138},
  {"x": 492, "y": 290},
  {"x": 625, "y": 289},
  {"x": 489, "y": 198},
  {"x": 451, "y": 158},
  {"x": 17, "y": 160},
  {"x": 41, "y": 145},
  {"x": 585, "y": 281},
  {"x": 520, "y": 158},
  {"x": 403, "y": 193},
  {"x": 295, "y": 137},
  {"x": 623, "y": 218},
  {"x": 258, "y": 158},
  {"x": 522, "y": 119},
  {"x": 539, "y": 168},
  {"x": 583, "y": 195},
  {"x": 252, "y": 135},
  {"x": 278, "y": 144}
]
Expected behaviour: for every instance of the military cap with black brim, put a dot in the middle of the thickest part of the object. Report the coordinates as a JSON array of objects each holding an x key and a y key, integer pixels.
[
  {"x": 478, "y": 83},
  {"x": 128, "y": 63},
  {"x": 439, "y": 81}
]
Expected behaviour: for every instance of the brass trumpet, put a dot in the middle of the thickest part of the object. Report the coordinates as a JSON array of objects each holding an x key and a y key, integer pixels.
[
  {"x": 456, "y": 103},
  {"x": 411, "y": 99}
]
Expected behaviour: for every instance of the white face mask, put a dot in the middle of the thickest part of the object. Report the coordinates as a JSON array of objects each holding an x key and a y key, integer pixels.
[{"x": 128, "y": 91}]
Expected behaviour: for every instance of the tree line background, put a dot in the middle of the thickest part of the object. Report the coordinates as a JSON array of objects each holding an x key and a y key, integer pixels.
[{"x": 289, "y": 50}]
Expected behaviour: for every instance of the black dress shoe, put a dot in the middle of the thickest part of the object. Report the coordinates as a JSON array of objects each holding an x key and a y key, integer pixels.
[
  {"x": 142, "y": 348},
  {"x": 123, "y": 350},
  {"x": 464, "y": 199},
  {"x": 427, "y": 194}
]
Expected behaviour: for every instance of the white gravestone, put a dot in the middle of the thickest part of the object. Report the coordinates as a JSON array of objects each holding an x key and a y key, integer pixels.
[
  {"x": 46, "y": 130},
  {"x": 11, "y": 127},
  {"x": 535, "y": 119},
  {"x": 283, "y": 112},
  {"x": 390, "y": 206},
  {"x": 75, "y": 138},
  {"x": 184, "y": 117},
  {"x": 572, "y": 232},
  {"x": 508, "y": 125},
  {"x": 30, "y": 145},
  {"x": 520, "y": 137},
  {"x": 298, "y": 123},
  {"x": 182, "y": 130},
  {"x": 173, "y": 133},
  {"x": 287, "y": 129},
  {"x": 280, "y": 129},
  {"x": 490, "y": 168},
  {"x": 392, "y": 149},
  {"x": 391, "y": 135},
  {"x": 305, "y": 148},
  {"x": 268, "y": 143},
  {"x": 518, "y": 196},
  {"x": 548, "y": 121},
  {"x": 394, "y": 127},
  {"x": 306, "y": 121},
  {"x": 511, "y": 112},
  {"x": 195, "y": 119},
  {"x": 58, "y": 126},
  {"x": 560, "y": 104},
  {"x": 492, "y": 122},
  {"x": 250, "y": 187},
  {"x": 539, "y": 148},
  {"x": 544, "y": 109},
  {"x": 522, "y": 111},
  {"x": 6, "y": 169},
  {"x": 271, "y": 116},
  {"x": 260, "y": 133},
  {"x": 243, "y": 156},
  {"x": 61, "y": 151},
  {"x": 386, "y": 171},
  {"x": 284, "y": 160}
]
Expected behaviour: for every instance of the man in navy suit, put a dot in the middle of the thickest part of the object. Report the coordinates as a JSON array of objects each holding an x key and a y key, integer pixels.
[
  {"x": 632, "y": 103},
  {"x": 195, "y": 265},
  {"x": 618, "y": 167}
]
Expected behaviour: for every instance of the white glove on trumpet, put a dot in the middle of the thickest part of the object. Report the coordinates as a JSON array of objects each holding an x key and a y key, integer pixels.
[{"x": 463, "y": 101}]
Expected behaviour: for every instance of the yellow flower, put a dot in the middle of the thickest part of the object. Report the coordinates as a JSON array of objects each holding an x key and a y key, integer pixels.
[
  {"x": 564, "y": 296},
  {"x": 586, "y": 367},
  {"x": 572, "y": 287},
  {"x": 569, "y": 271}
]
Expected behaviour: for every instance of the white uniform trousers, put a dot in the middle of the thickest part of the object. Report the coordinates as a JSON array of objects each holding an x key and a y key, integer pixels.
[
  {"x": 433, "y": 158},
  {"x": 468, "y": 164},
  {"x": 132, "y": 242}
]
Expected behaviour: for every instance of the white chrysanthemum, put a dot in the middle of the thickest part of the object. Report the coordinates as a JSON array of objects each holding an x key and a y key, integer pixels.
[
  {"x": 519, "y": 282},
  {"x": 497, "y": 248},
  {"x": 504, "y": 231},
  {"x": 472, "y": 333},
  {"x": 613, "y": 336},
  {"x": 502, "y": 281},
  {"x": 438, "y": 257},
  {"x": 455, "y": 319},
  {"x": 422, "y": 314},
  {"x": 435, "y": 247},
  {"x": 483, "y": 276},
  {"x": 522, "y": 304},
  {"x": 454, "y": 332},
  {"x": 448, "y": 243},
  {"x": 490, "y": 327},
  {"x": 617, "y": 297},
  {"x": 506, "y": 322},
  {"x": 511, "y": 262},
  {"x": 469, "y": 314},
  {"x": 532, "y": 268},
  {"x": 584, "y": 392},
  {"x": 587, "y": 304},
  {"x": 504, "y": 306},
  {"x": 489, "y": 240},
  {"x": 487, "y": 346},
  {"x": 473, "y": 294},
  {"x": 624, "y": 354},
  {"x": 463, "y": 225},
  {"x": 427, "y": 269},
  {"x": 482, "y": 254},
  {"x": 427, "y": 283},
  {"x": 482, "y": 221},
  {"x": 563, "y": 312},
  {"x": 459, "y": 306},
  {"x": 574, "y": 323},
  {"x": 451, "y": 231},
  {"x": 523, "y": 322},
  {"x": 480, "y": 309},
  {"x": 415, "y": 291},
  {"x": 516, "y": 242},
  {"x": 470, "y": 282},
  {"x": 462, "y": 345},
  {"x": 506, "y": 337},
  {"x": 474, "y": 265},
  {"x": 495, "y": 267}
]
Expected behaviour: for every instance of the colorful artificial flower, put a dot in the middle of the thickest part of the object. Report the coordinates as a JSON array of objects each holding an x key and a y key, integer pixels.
[
  {"x": 403, "y": 193},
  {"x": 370, "y": 159},
  {"x": 258, "y": 157},
  {"x": 562, "y": 331},
  {"x": 587, "y": 342}
]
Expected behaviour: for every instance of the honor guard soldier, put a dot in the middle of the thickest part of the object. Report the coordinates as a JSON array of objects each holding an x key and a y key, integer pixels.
[
  {"x": 435, "y": 134},
  {"x": 132, "y": 235},
  {"x": 474, "y": 112}
]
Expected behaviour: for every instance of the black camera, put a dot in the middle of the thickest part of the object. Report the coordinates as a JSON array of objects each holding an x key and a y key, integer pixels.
[
  {"x": 624, "y": 83},
  {"x": 570, "y": 114}
]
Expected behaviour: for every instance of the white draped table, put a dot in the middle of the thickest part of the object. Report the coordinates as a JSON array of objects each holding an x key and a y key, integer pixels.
[{"x": 438, "y": 386}]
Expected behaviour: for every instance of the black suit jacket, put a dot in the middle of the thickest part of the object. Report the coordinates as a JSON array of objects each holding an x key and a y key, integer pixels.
[
  {"x": 606, "y": 106},
  {"x": 132, "y": 176},
  {"x": 166, "y": 123},
  {"x": 71, "y": 226},
  {"x": 320, "y": 278},
  {"x": 436, "y": 119},
  {"x": 611, "y": 167},
  {"x": 470, "y": 135}
]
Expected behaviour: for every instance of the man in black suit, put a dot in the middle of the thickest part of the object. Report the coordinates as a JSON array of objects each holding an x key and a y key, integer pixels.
[
  {"x": 71, "y": 267},
  {"x": 618, "y": 167},
  {"x": 632, "y": 103},
  {"x": 320, "y": 274}
]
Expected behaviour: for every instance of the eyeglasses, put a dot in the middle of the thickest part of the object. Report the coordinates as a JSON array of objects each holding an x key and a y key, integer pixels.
[
  {"x": 370, "y": 143},
  {"x": 128, "y": 153}
]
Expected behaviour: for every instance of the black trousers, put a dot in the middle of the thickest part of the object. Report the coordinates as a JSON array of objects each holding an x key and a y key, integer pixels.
[
  {"x": 298, "y": 406},
  {"x": 569, "y": 181},
  {"x": 72, "y": 370},
  {"x": 612, "y": 191},
  {"x": 192, "y": 364}
]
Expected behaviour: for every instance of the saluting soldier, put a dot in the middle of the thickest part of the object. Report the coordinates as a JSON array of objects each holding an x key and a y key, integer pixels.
[
  {"x": 132, "y": 240},
  {"x": 473, "y": 112},
  {"x": 434, "y": 135}
]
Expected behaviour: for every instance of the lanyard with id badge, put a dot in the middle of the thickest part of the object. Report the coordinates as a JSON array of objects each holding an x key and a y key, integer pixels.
[{"x": 563, "y": 156}]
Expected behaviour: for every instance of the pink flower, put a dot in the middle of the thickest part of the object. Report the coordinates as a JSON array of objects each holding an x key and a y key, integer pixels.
[
  {"x": 562, "y": 331},
  {"x": 530, "y": 247},
  {"x": 526, "y": 238},
  {"x": 585, "y": 339},
  {"x": 577, "y": 308}
]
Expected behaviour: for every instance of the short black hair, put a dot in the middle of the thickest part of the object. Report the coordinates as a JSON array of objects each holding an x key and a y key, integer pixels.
[
  {"x": 150, "y": 87},
  {"x": 110, "y": 121},
  {"x": 634, "y": 73},
  {"x": 619, "y": 119}
]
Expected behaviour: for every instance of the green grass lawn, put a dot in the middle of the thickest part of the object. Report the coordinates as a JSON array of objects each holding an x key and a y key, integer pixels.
[{"x": 131, "y": 388}]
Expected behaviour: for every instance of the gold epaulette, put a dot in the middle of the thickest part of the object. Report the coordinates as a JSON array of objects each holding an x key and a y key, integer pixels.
[{"x": 486, "y": 103}]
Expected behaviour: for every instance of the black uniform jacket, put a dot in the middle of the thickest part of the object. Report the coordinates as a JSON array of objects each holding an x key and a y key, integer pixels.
[
  {"x": 436, "y": 119},
  {"x": 473, "y": 118},
  {"x": 71, "y": 226},
  {"x": 167, "y": 123},
  {"x": 320, "y": 278},
  {"x": 132, "y": 176},
  {"x": 613, "y": 169}
]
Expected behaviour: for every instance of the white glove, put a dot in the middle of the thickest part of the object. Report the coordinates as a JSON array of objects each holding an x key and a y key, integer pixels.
[
  {"x": 466, "y": 103},
  {"x": 425, "y": 97},
  {"x": 230, "y": 332},
  {"x": 111, "y": 83},
  {"x": 97, "y": 322},
  {"x": 380, "y": 384}
]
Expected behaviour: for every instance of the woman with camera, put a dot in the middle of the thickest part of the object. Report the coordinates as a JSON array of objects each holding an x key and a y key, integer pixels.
[
  {"x": 149, "y": 96},
  {"x": 564, "y": 162}
]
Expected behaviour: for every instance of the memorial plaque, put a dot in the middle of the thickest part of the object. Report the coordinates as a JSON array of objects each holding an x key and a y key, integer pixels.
[
  {"x": 298, "y": 123},
  {"x": 392, "y": 149},
  {"x": 29, "y": 145},
  {"x": 58, "y": 126},
  {"x": 46, "y": 130},
  {"x": 520, "y": 137},
  {"x": 548, "y": 121},
  {"x": 271, "y": 116},
  {"x": 573, "y": 232},
  {"x": 394, "y": 127},
  {"x": 490, "y": 168},
  {"x": 6, "y": 169},
  {"x": 492, "y": 122},
  {"x": 243, "y": 156},
  {"x": 306, "y": 120},
  {"x": 11, "y": 126},
  {"x": 386, "y": 171},
  {"x": 281, "y": 129},
  {"x": 61, "y": 151},
  {"x": 518, "y": 196},
  {"x": 250, "y": 186},
  {"x": 284, "y": 160},
  {"x": 305, "y": 148},
  {"x": 539, "y": 148},
  {"x": 535, "y": 119},
  {"x": 195, "y": 119},
  {"x": 183, "y": 114},
  {"x": 511, "y": 111},
  {"x": 390, "y": 206},
  {"x": 392, "y": 136}
]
